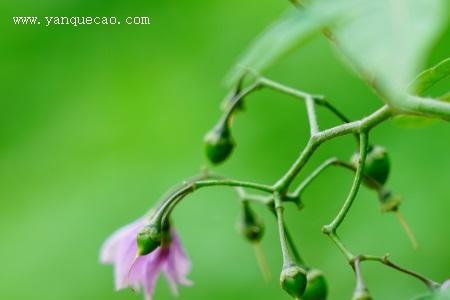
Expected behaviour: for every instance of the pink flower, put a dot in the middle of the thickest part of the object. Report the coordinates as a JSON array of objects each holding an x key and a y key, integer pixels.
[{"x": 142, "y": 272}]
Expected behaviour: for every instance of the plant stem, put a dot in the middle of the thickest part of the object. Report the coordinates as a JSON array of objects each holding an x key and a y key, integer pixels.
[
  {"x": 307, "y": 181},
  {"x": 283, "y": 183},
  {"x": 333, "y": 226},
  {"x": 292, "y": 246},
  {"x": 330, "y": 162},
  {"x": 256, "y": 198},
  {"x": 314, "y": 142},
  {"x": 235, "y": 183},
  {"x": 238, "y": 98},
  {"x": 312, "y": 117},
  {"x": 385, "y": 260},
  {"x": 169, "y": 203},
  {"x": 287, "y": 259},
  {"x": 318, "y": 99},
  {"x": 276, "y": 86},
  {"x": 360, "y": 285},
  {"x": 337, "y": 241}
]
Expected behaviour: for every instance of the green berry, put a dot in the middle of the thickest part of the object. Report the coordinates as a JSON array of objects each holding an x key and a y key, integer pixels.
[
  {"x": 219, "y": 144},
  {"x": 377, "y": 166},
  {"x": 293, "y": 280},
  {"x": 316, "y": 288},
  {"x": 148, "y": 239}
]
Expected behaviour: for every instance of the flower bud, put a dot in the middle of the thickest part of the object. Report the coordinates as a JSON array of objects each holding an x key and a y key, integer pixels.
[
  {"x": 388, "y": 200},
  {"x": 251, "y": 228},
  {"x": 316, "y": 288},
  {"x": 361, "y": 294},
  {"x": 148, "y": 239},
  {"x": 293, "y": 280},
  {"x": 219, "y": 143},
  {"x": 377, "y": 166}
]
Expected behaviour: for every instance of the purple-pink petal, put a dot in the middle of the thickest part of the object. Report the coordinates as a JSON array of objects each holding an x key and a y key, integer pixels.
[
  {"x": 142, "y": 272},
  {"x": 110, "y": 247}
]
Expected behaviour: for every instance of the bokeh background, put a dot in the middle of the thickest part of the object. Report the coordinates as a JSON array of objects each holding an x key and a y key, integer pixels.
[{"x": 96, "y": 122}]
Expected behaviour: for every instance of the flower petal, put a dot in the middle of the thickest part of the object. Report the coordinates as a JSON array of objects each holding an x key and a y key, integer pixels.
[
  {"x": 181, "y": 262},
  {"x": 108, "y": 252},
  {"x": 153, "y": 269},
  {"x": 169, "y": 269},
  {"x": 123, "y": 263}
]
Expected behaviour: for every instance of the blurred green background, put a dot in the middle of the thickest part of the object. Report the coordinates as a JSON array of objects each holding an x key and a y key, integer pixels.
[{"x": 96, "y": 122}]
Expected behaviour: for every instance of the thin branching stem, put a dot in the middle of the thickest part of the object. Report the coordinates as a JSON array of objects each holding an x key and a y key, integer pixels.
[
  {"x": 279, "y": 209},
  {"x": 387, "y": 262},
  {"x": 279, "y": 191},
  {"x": 322, "y": 167},
  {"x": 261, "y": 82},
  {"x": 333, "y": 226},
  {"x": 312, "y": 116},
  {"x": 361, "y": 126}
]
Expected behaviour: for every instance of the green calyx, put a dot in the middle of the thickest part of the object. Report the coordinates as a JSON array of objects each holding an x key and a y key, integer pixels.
[
  {"x": 377, "y": 166},
  {"x": 219, "y": 143},
  {"x": 388, "y": 201},
  {"x": 293, "y": 280},
  {"x": 148, "y": 239},
  {"x": 251, "y": 228},
  {"x": 361, "y": 294},
  {"x": 316, "y": 288}
]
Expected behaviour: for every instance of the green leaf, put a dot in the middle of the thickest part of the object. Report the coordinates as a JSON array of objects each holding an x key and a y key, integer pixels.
[
  {"x": 406, "y": 121},
  {"x": 431, "y": 76},
  {"x": 287, "y": 33},
  {"x": 422, "y": 83},
  {"x": 443, "y": 294},
  {"x": 388, "y": 39},
  {"x": 445, "y": 97}
]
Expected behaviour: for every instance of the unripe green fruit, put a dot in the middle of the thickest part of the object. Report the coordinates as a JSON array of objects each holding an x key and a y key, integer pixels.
[
  {"x": 219, "y": 144},
  {"x": 377, "y": 166},
  {"x": 316, "y": 288},
  {"x": 148, "y": 239},
  {"x": 293, "y": 280},
  {"x": 251, "y": 228}
]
